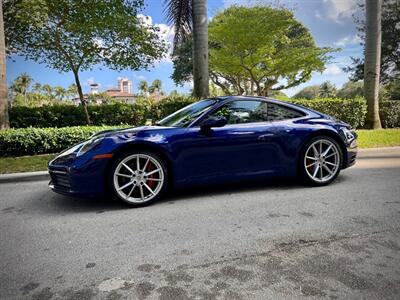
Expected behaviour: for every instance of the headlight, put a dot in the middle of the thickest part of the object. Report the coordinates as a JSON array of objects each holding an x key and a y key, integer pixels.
[
  {"x": 90, "y": 144},
  {"x": 348, "y": 134}
]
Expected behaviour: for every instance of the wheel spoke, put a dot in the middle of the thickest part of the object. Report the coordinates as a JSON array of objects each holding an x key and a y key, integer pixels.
[
  {"x": 316, "y": 171},
  {"x": 124, "y": 186},
  {"x": 320, "y": 147},
  {"x": 321, "y": 175},
  {"x": 130, "y": 193},
  {"x": 152, "y": 172},
  {"x": 315, "y": 151},
  {"x": 310, "y": 157},
  {"x": 138, "y": 163},
  {"x": 123, "y": 175},
  {"x": 154, "y": 179},
  {"x": 128, "y": 168},
  {"x": 311, "y": 164},
  {"x": 327, "y": 150},
  {"x": 145, "y": 165},
  {"x": 329, "y": 163},
  {"x": 326, "y": 168},
  {"x": 330, "y": 155},
  {"x": 141, "y": 192},
  {"x": 150, "y": 190}
]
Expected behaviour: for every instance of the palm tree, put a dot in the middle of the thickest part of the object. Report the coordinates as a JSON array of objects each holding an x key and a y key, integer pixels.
[
  {"x": 21, "y": 84},
  {"x": 373, "y": 37},
  {"x": 4, "y": 122},
  {"x": 37, "y": 87},
  {"x": 47, "y": 90},
  {"x": 59, "y": 92},
  {"x": 143, "y": 86},
  {"x": 191, "y": 16},
  {"x": 156, "y": 85}
]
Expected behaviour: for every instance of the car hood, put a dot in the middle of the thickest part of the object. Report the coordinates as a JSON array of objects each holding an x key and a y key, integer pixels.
[{"x": 117, "y": 131}]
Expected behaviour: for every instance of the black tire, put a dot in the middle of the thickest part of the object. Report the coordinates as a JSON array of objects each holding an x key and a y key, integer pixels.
[
  {"x": 306, "y": 175},
  {"x": 117, "y": 195}
]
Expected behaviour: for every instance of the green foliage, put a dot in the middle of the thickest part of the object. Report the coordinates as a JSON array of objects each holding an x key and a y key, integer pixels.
[
  {"x": 309, "y": 92},
  {"x": 29, "y": 141},
  {"x": 327, "y": 90},
  {"x": 262, "y": 45},
  {"x": 389, "y": 112},
  {"x": 350, "y": 111},
  {"x": 390, "y": 48},
  {"x": 351, "y": 90}
]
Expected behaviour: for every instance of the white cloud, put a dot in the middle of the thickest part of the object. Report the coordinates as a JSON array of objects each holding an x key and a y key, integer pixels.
[
  {"x": 337, "y": 10},
  {"x": 138, "y": 77},
  {"x": 348, "y": 40},
  {"x": 332, "y": 69},
  {"x": 166, "y": 34}
]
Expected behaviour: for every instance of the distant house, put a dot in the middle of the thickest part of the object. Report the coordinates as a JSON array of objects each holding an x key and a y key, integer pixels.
[{"x": 122, "y": 93}]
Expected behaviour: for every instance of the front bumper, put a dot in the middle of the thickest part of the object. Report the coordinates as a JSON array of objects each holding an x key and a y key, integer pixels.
[
  {"x": 78, "y": 177},
  {"x": 352, "y": 150}
]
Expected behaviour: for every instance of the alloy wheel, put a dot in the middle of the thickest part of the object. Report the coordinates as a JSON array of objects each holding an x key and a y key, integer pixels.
[
  {"x": 138, "y": 178},
  {"x": 322, "y": 160}
]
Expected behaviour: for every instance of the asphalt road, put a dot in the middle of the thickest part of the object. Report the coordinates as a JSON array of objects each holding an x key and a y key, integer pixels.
[{"x": 277, "y": 240}]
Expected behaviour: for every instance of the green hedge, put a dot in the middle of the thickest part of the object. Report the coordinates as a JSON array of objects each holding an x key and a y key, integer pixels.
[
  {"x": 29, "y": 141},
  {"x": 349, "y": 111}
]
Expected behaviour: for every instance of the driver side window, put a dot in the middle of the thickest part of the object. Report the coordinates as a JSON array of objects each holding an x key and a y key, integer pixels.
[{"x": 240, "y": 112}]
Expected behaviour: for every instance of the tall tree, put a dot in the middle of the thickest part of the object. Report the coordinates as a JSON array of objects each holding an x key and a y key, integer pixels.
[
  {"x": 143, "y": 86},
  {"x": 390, "y": 47},
  {"x": 70, "y": 35},
  {"x": 21, "y": 85},
  {"x": 372, "y": 60},
  {"x": 4, "y": 122},
  {"x": 327, "y": 90},
  {"x": 254, "y": 50},
  {"x": 155, "y": 86},
  {"x": 190, "y": 16}
]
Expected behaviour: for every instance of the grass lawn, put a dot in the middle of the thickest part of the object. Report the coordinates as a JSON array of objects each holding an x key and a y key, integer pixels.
[
  {"x": 378, "y": 138},
  {"x": 366, "y": 139},
  {"x": 24, "y": 163}
]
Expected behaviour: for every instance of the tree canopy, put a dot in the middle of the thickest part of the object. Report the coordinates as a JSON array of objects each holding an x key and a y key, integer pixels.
[
  {"x": 255, "y": 50},
  {"x": 70, "y": 35},
  {"x": 390, "y": 48}
]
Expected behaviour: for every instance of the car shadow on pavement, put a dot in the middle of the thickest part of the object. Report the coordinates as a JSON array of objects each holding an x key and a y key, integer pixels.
[{"x": 65, "y": 204}]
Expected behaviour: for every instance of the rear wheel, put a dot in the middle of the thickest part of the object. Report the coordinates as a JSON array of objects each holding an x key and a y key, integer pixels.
[
  {"x": 138, "y": 178},
  {"x": 321, "y": 161}
]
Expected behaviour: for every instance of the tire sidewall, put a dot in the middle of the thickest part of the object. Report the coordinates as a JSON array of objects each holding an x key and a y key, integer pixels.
[
  {"x": 110, "y": 179},
  {"x": 303, "y": 173}
]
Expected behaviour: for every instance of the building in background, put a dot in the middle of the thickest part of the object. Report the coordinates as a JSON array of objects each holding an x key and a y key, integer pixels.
[{"x": 122, "y": 93}]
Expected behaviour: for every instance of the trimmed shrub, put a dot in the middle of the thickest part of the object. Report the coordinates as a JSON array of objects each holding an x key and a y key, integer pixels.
[
  {"x": 389, "y": 111},
  {"x": 30, "y": 141},
  {"x": 350, "y": 111}
]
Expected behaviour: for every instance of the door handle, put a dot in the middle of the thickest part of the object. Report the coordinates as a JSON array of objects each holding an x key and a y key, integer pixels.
[{"x": 264, "y": 137}]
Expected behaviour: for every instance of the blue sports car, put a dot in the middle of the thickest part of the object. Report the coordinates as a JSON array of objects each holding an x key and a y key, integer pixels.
[{"x": 216, "y": 140}]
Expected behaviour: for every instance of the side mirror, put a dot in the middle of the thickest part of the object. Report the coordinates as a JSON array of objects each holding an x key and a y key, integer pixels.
[{"x": 213, "y": 122}]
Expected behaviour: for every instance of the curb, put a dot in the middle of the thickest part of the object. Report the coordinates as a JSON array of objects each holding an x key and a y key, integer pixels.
[
  {"x": 24, "y": 176},
  {"x": 379, "y": 149}
]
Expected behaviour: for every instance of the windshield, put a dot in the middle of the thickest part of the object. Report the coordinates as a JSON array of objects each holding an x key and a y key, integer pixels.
[{"x": 188, "y": 114}]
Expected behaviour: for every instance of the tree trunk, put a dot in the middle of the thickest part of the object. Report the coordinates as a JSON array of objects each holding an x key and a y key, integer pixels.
[
  {"x": 373, "y": 39},
  {"x": 200, "y": 48},
  {"x": 4, "y": 122},
  {"x": 80, "y": 93}
]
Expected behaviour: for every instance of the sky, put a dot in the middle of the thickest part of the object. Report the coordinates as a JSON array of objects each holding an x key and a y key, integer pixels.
[{"x": 329, "y": 21}]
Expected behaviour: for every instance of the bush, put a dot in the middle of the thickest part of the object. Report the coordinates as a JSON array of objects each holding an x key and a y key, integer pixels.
[
  {"x": 350, "y": 111},
  {"x": 29, "y": 141},
  {"x": 71, "y": 115},
  {"x": 389, "y": 111}
]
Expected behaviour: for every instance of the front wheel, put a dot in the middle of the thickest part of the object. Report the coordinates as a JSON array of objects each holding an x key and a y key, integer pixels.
[
  {"x": 321, "y": 161},
  {"x": 138, "y": 178}
]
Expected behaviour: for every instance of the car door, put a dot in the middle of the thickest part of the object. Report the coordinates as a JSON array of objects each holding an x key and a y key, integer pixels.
[{"x": 248, "y": 145}]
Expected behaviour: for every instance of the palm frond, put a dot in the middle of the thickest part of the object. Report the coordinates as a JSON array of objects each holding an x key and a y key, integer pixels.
[{"x": 179, "y": 14}]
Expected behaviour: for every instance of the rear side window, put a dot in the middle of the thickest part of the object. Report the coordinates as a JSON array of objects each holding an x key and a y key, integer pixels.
[{"x": 276, "y": 112}]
